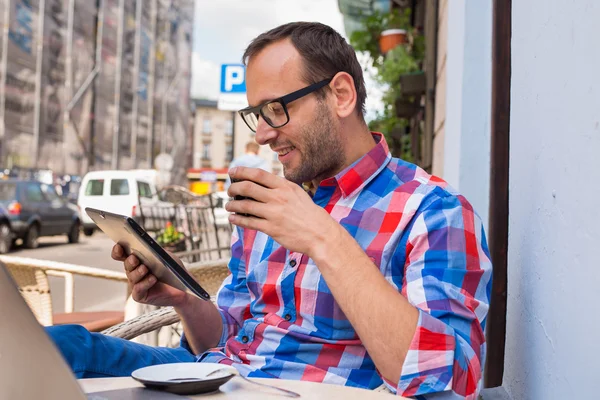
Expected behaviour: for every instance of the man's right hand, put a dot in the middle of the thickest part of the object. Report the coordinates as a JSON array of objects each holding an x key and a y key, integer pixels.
[{"x": 146, "y": 288}]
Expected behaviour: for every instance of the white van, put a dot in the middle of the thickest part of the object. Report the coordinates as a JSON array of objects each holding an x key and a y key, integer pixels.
[{"x": 117, "y": 192}]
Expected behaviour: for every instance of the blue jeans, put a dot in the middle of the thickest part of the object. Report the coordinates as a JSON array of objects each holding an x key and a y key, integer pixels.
[{"x": 93, "y": 355}]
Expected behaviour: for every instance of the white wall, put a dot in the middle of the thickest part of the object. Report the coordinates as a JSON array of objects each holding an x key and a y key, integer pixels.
[
  {"x": 468, "y": 101},
  {"x": 553, "y": 318}
]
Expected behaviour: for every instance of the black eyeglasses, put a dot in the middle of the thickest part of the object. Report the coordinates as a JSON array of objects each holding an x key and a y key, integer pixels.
[{"x": 275, "y": 112}]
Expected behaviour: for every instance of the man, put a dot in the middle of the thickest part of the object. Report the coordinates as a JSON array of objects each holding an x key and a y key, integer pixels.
[
  {"x": 373, "y": 272},
  {"x": 250, "y": 159}
]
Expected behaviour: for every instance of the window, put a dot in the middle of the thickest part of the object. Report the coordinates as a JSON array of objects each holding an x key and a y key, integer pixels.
[
  {"x": 119, "y": 187},
  {"x": 144, "y": 190},
  {"x": 229, "y": 127},
  {"x": 49, "y": 192},
  {"x": 95, "y": 187},
  {"x": 33, "y": 193},
  {"x": 8, "y": 191},
  {"x": 206, "y": 151},
  {"x": 206, "y": 125},
  {"x": 229, "y": 153}
]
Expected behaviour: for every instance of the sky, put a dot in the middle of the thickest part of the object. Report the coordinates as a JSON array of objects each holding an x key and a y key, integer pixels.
[{"x": 223, "y": 29}]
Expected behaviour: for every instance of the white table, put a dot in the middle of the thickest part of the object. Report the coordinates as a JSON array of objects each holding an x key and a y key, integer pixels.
[{"x": 238, "y": 389}]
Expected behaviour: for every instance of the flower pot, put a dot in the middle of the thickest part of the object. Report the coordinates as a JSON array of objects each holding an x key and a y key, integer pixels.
[
  {"x": 391, "y": 38},
  {"x": 175, "y": 247}
]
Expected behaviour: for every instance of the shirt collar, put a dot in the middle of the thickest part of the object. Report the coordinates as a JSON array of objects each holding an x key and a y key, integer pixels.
[{"x": 362, "y": 171}]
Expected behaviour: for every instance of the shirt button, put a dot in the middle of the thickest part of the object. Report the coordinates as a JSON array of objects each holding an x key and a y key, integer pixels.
[
  {"x": 245, "y": 339},
  {"x": 287, "y": 317},
  {"x": 292, "y": 263}
]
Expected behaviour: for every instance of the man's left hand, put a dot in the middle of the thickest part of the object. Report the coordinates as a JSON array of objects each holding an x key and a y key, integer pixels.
[{"x": 280, "y": 209}]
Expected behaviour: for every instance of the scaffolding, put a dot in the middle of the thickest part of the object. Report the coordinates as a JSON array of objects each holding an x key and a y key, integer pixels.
[{"x": 89, "y": 85}]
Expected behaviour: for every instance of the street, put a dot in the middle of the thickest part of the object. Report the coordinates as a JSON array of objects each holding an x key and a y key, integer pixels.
[{"x": 91, "y": 294}]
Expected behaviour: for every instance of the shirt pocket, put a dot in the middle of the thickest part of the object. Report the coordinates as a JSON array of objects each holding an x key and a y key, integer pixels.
[{"x": 317, "y": 310}]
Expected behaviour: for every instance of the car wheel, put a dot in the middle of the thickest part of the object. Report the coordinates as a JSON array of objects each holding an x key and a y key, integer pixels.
[
  {"x": 88, "y": 231},
  {"x": 5, "y": 238},
  {"x": 74, "y": 233},
  {"x": 32, "y": 236}
]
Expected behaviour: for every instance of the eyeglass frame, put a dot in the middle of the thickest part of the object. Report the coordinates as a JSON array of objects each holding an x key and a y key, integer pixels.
[{"x": 284, "y": 101}]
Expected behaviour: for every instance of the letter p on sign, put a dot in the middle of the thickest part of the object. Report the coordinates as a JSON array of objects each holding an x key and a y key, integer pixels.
[{"x": 233, "y": 78}]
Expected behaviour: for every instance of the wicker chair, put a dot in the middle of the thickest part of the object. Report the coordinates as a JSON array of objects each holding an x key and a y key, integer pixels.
[{"x": 31, "y": 276}]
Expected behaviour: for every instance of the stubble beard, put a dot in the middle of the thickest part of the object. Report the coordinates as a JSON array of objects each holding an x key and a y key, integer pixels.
[{"x": 321, "y": 149}]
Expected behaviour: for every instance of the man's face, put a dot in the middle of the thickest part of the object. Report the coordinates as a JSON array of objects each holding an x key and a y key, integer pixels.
[{"x": 310, "y": 146}]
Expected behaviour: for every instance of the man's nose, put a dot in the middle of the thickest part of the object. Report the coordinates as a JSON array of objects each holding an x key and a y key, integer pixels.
[{"x": 265, "y": 134}]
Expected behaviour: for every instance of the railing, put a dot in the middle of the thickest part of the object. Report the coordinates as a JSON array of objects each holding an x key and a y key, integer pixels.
[
  {"x": 58, "y": 269},
  {"x": 206, "y": 238}
]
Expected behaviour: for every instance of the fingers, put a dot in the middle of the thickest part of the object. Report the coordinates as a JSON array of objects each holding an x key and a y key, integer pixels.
[
  {"x": 257, "y": 175},
  {"x": 139, "y": 292},
  {"x": 134, "y": 270},
  {"x": 250, "y": 207},
  {"x": 117, "y": 253},
  {"x": 248, "y": 188},
  {"x": 137, "y": 274},
  {"x": 131, "y": 263},
  {"x": 253, "y": 223}
]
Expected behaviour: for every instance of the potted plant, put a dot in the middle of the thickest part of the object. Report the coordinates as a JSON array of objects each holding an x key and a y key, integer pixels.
[
  {"x": 171, "y": 239},
  {"x": 395, "y": 30},
  {"x": 398, "y": 71},
  {"x": 391, "y": 38}
]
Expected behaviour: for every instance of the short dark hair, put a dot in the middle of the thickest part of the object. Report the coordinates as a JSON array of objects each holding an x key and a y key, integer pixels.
[{"x": 324, "y": 51}]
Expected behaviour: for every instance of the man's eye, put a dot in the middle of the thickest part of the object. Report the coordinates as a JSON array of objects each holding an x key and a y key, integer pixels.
[{"x": 275, "y": 108}]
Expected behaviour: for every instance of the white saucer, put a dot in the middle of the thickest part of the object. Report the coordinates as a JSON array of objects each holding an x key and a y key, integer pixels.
[{"x": 161, "y": 377}]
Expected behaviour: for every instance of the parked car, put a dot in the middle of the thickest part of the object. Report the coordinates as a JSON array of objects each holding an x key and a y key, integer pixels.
[
  {"x": 28, "y": 174},
  {"x": 120, "y": 192},
  {"x": 6, "y": 233},
  {"x": 35, "y": 210}
]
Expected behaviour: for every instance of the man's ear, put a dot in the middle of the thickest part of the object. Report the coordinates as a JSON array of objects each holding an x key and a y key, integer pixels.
[{"x": 344, "y": 94}]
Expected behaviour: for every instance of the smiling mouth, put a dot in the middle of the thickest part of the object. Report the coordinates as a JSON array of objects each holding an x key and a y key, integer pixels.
[{"x": 285, "y": 151}]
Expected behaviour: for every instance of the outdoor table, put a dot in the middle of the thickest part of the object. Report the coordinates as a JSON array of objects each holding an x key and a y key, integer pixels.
[{"x": 239, "y": 389}]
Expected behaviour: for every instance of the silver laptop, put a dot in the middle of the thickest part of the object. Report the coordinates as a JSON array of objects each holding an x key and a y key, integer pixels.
[{"x": 30, "y": 365}]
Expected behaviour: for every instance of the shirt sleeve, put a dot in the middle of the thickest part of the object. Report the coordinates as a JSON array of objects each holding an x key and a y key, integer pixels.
[
  {"x": 233, "y": 298},
  {"x": 447, "y": 275}
]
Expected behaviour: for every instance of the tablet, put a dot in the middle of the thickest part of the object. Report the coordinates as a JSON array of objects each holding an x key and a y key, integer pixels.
[{"x": 135, "y": 240}]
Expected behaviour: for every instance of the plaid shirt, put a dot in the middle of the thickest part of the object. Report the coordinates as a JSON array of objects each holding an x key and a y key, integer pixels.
[{"x": 281, "y": 320}]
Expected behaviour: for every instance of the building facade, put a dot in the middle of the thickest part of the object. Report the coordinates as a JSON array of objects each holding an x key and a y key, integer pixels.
[
  {"x": 94, "y": 85},
  {"x": 221, "y": 136},
  {"x": 213, "y": 136}
]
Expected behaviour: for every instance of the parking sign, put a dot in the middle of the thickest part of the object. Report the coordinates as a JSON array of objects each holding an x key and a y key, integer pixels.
[
  {"x": 233, "y": 87},
  {"x": 233, "y": 78}
]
